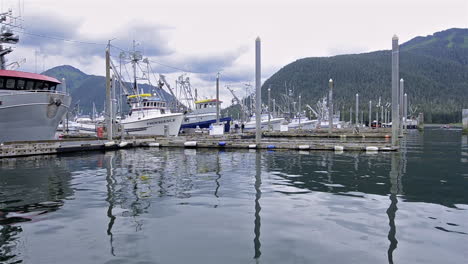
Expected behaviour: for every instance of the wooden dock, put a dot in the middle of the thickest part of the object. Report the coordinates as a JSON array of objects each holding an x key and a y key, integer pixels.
[{"x": 229, "y": 141}]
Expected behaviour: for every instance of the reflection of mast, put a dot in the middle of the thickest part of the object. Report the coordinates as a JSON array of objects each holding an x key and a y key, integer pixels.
[
  {"x": 110, "y": 199},
  {"x": 329, "y": 171},
  {"x": 218, "y": 169},
  {"x": 395, "y": 183},
  {"x": 258, "y": 208}
]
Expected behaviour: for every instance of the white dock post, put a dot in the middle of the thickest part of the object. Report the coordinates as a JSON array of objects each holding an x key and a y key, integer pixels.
[
  {"x": 357, "y": 109},
  {"x": 108, "y": 96},
  {"x": 395, "y": 91},
  {"x": 258, "y": 92},
  {"x": 330, "y": 106},
  {"x": 401, "y": 105}
]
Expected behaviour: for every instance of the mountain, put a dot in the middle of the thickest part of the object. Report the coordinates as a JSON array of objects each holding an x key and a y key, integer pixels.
[
  {"x": 88, "y": 89},
  {"x": 435, "y": 70}
]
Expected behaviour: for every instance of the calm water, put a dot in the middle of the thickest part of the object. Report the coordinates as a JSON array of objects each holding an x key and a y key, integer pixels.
[{"x": 209, "y": 206}]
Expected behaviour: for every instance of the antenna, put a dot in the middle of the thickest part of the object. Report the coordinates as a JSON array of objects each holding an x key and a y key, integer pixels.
[{"x": 7, "y": 21}]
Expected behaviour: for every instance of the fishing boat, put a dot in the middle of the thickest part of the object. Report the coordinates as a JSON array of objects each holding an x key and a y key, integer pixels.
[
  {"x": 31, "y": 106},
  {"x": 204, "y": 115},
  {"x": 275, "y": 123},
  {"x": 150, "y": 116},
  {"x": 302, "y": 123}
]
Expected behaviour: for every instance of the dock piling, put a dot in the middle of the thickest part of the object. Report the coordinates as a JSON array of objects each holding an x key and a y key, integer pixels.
[
  {"x": 395, "y": 91},
  {"x": 258, "y": 91}
]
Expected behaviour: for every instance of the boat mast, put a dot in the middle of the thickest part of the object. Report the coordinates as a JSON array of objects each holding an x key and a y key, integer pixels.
[{"x": 6, "y": 35}]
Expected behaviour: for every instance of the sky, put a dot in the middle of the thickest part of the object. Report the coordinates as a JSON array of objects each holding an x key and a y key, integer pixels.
[{"x": 200, "y": 38}]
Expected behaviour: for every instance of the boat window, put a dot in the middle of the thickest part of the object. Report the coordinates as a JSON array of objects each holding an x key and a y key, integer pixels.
[
  {"x": 10, "y": 84},
  {"x": 39, "y": 85},
  {"x": 1, "y": 83},
  {"x": 46, "y": 86},
  {"x": 21, "y": 84},
  {"x": 29, "y": 85},
  {"x": 162, "y": 111}
]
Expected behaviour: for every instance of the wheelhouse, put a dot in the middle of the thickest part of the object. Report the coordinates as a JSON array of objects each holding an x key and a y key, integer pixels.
[
  {"x": 208, "y": 103},
  {"x": 23, "y": 81}
]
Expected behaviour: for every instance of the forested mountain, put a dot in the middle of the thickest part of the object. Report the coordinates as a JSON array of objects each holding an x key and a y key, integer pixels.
[
  {"x": 86, "y": 89},
  {"x": 435, "y": 70}
]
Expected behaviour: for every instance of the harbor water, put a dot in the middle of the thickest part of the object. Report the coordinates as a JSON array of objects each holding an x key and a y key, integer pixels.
[{"x": 238, "y": 206}]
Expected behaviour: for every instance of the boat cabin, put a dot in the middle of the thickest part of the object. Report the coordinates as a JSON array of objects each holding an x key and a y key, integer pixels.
[
  {"x": 146, "y": 102},
  {"x": 208, "y": 103},
  {"x": 25, "y": 81}
]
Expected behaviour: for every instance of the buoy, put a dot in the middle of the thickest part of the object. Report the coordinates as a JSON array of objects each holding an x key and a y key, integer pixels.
[
  {"x": 372, "y": 148},
  {"x": 338, "y": 148},
  {"x": 153, "y": 144},
  {"x": 109, "y": 144},
  {"x": 252, "y": 146},
  {"x": 190, "y": 144},
  {"x": 222, "y": 143},
  {"x": 387, "y": 136},
  {"x": 303, "y": 147},
  {"x": 123, "y": 144}
]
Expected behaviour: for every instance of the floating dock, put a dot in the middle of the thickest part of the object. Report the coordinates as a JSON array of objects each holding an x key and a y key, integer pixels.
[{"x": 228, "y": 141}]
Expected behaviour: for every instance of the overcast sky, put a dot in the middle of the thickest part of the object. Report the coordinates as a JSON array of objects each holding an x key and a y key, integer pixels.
[{"x": 203, "y": 37}]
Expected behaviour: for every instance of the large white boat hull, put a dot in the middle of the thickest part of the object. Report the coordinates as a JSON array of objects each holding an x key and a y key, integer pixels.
[
  {"x": 275, "y": 124},
  {"x": 29, "y": 116},
  {"x": 154, "y": 126},
  {"x": 306, "y": 124}
]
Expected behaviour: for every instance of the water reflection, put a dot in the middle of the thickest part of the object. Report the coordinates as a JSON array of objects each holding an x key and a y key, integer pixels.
[
  {"x": 111, "y": 182},
  {"x": 258, "y": 208},
  {"x": 30, "y": 189},
  {"x": 464, "y": 150},
  {"x": 184, "y": 205},
  {"x": 395, "y": 189}
]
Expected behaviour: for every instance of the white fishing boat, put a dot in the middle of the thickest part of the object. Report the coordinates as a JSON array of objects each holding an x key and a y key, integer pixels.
[
  {"x": 302, "y": 123},
  {"x": 150, "y": 116},
  {"x": 31, "y": 107},
  {"x": 336, "y": 123},
  {"x": 275, "y": 123}
]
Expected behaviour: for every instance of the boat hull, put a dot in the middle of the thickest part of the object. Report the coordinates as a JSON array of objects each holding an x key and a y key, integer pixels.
[
  {"x": 303, "y": 125},
  {"x": 154, "y": 126},
  {"x": 274, "y": 122},
  {"x": 207, "y": 123},
  {"x": 30, "y": 116}
]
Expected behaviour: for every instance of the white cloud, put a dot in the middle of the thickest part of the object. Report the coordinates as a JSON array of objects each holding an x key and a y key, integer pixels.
[{"x": 209, "y": 36}]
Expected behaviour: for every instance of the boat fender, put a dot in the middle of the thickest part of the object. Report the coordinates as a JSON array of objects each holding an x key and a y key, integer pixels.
[
  {"x": 153, "y": 144},
  {"x": 222, "y": 143},
  {"x": 271, "y": 146},
  {"x": 303, "y": 147},
  {"x": 338, "y": 148},
  {"x": 123, "y": 144},
  {"x": 372, "y": 148},
  {"x": 190, "y": 144},
  {"x": 109, "y": 144},
  {"x": 252, "y": 146}
]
